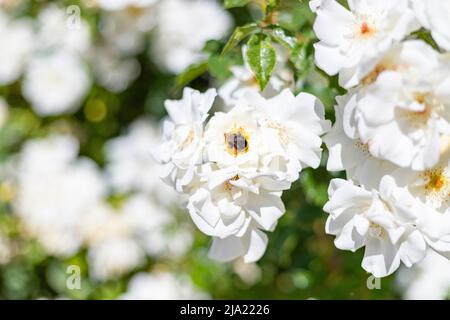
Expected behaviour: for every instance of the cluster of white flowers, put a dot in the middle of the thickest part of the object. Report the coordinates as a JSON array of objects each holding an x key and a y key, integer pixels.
[
  {"x": 392, "y": 129},
  {"x": 131, "y": 167},
  {"x": 61, "y": 201},
  {"x": 54, "y": 52},
  {"x": 50, "y": 55},
  {"x": 54, "y": 190},
  {"x": 178, "y": 30},
  {"x": 131, "y": 170},
  {"x": 182, "y": 29},
  {"x": 235, "y": 167},
  {"x": 119, "y": 239}
]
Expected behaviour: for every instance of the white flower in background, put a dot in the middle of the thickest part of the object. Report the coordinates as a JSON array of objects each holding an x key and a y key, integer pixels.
[
  {"x": 156, "y": 227},
  {"x": 234, "y": 206},
  {"x": 183, "y": 27},
  {"x": 428, "y": 280},
  {"x": 131, "y": 165},
  {"x": 102, "y": 222},
  {"x": 58, "y": 30},
  {"x": 243, "y": 80},
  {"x": 112, "y": 71},
  {"x": 162, "y": 285},
  {"x": 125, "y": 30},
  {"x": 16, "y": 41},
  {"x": 415, "y": 102},
  {"x": 291, "y": 126},
  {"x": 113, "y": 249},
  {"x": 182, "y": 136},
  {"x": 54, "y": 190},
  {"x": 433, "y": 15},
  {"x": 124, "y": 4},
  {"x": 347, "y": 151},
  {"x": 359, "y": 36},
  {"x": 390, "y": 223},
  {"x": 55, "y": 83},
  {"x": 3, "y": 111},
  {"x": 138, "y": 228},
  {"x": 114, "y": 257}
]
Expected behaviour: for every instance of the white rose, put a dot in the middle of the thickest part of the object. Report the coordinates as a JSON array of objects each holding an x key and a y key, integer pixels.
[
  {"x": 16, "y": 41},
  {"x": 233, "y": 206},
  {"x": 182, "y": 136},
  {"x": 387, "y": 222},
  {"x": 292, "y": 127},
  {"x": 359, "y": 36},
  {"x": 404, "y": 114},
  {"x": 56, "y": 84}
]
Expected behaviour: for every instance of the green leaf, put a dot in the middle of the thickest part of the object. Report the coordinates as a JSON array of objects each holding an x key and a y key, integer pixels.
[
  {"x": 261, "y": 57},
  {"x": 296, "y": 18},
  {"x": 239, "y": 34},
  {"x": 219, "y": 67},
  {"x": 281, "y": 36},
  {"x": 302, "y": 58},
  {"x": 191, "y": 73},
  {"x": 427, "y": 37},
  {"x": 235, "y": 3},
  {"x": 213, "y": 46}
]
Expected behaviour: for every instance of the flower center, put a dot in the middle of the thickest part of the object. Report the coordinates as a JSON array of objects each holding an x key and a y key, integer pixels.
[
  {"x": 375, "y": 230},
  {"x": 365, "y": 30},
  {"x": 236, "y": 141},
  {"x": 437, "y": 187},
  {"x": 364, "y": 147}
]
